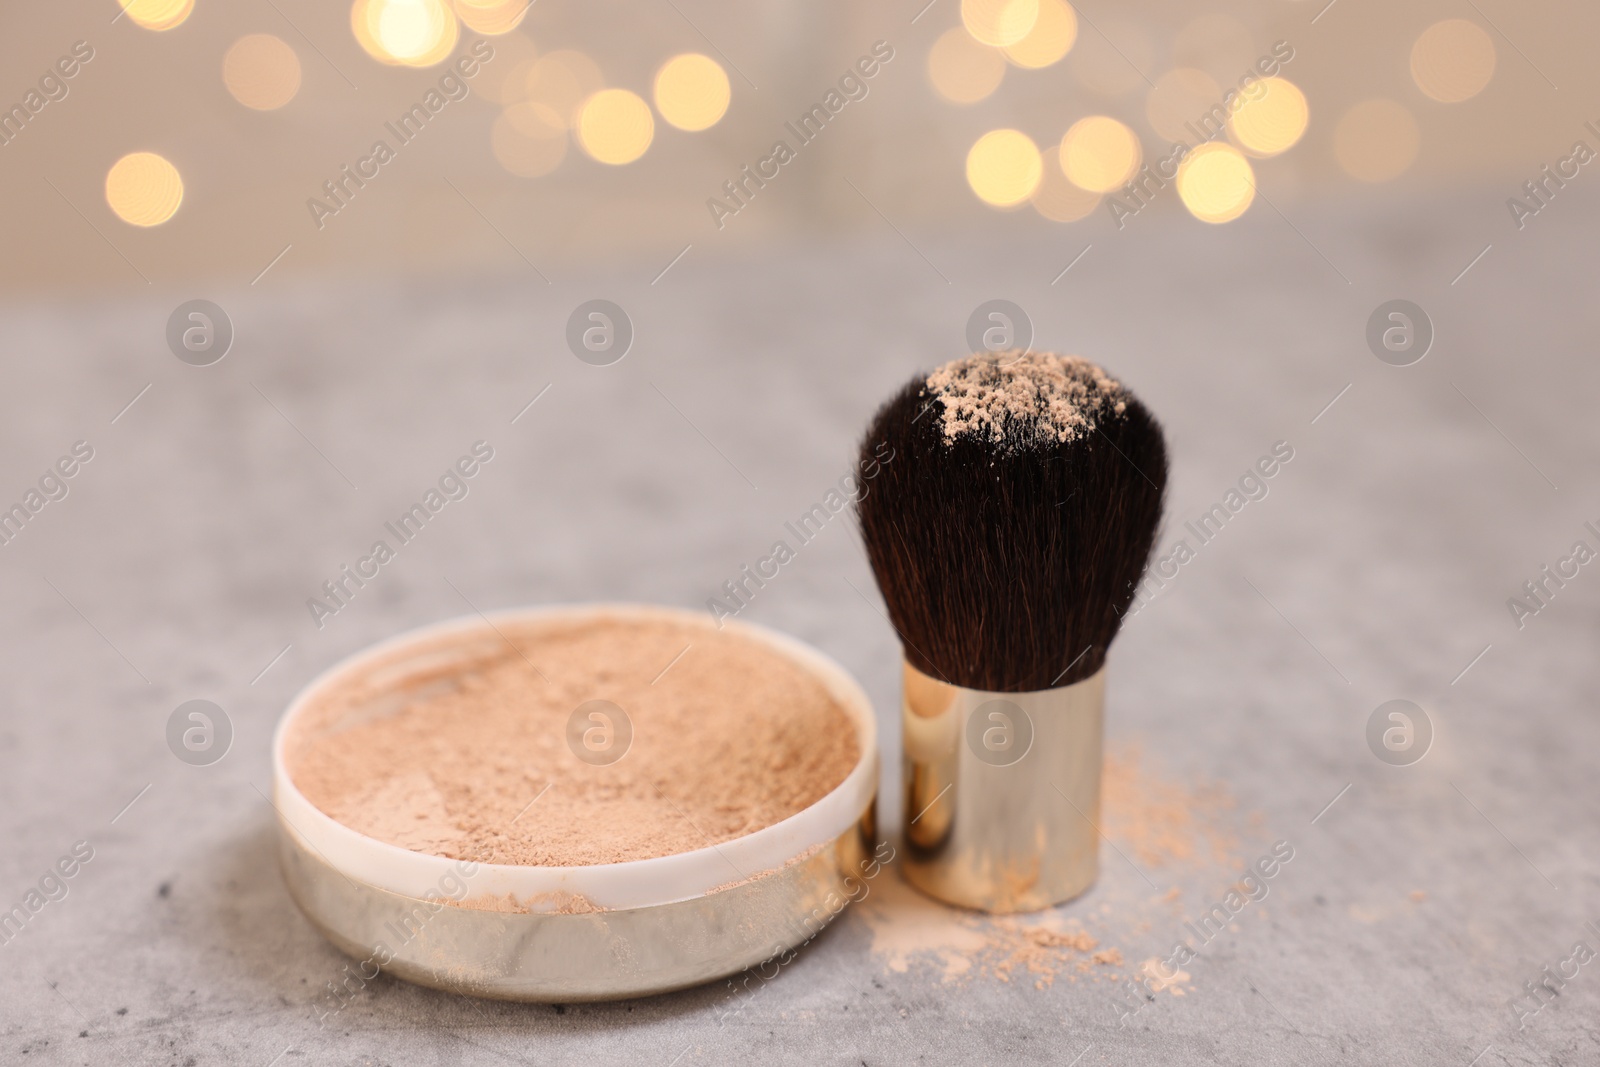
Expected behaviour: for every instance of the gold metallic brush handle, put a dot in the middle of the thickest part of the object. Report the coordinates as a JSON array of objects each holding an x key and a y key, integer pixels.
[{"x": 1002, "y": 792}]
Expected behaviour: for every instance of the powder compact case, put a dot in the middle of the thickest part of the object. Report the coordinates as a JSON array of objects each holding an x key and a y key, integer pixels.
[{"x": 603, "y": 931}]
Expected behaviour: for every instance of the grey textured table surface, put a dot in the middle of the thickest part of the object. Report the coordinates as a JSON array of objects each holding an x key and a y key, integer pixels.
[{"x": 1378, "y": 567}]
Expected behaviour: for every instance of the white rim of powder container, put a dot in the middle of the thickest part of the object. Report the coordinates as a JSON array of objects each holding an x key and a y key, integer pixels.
[{"x": 614, "y": 886}]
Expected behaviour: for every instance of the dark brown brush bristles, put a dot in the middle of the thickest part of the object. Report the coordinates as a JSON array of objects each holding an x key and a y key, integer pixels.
[{"x": 1007, "y": 566}]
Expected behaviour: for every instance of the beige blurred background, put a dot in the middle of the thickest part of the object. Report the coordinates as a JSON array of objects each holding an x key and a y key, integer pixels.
[{"x": 255, "y": 104}]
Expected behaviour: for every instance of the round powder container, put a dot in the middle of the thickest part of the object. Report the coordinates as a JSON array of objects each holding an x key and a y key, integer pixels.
[{"x": 450, "y": 913}]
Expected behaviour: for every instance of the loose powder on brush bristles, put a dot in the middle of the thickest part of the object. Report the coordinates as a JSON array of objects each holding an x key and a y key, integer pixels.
[
  {"x": 1024, "y": 397},
  {"x": 446, "y": 759}
]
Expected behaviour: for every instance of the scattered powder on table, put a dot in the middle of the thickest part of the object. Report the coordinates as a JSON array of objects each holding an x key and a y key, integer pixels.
[
  {"x": 461, "y": 749},
  {"x": 912, "y": 930},
  {"x": 1031, "y": 397},
  {"x": 1158, "y": 976},
  {"x": 1163, "y": 825}
]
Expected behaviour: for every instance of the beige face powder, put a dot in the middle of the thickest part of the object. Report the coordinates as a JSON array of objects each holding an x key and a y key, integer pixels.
[
  {"x": 462, "y": 749},
  {"x": 1031, "y": 396}
]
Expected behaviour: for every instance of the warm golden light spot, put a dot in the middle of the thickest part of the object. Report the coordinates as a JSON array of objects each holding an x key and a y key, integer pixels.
[
  {"x": 1059, "y": 200},
  {"x": 1051, "y": 38},
  {"x": 261, "y": 71},
  {"x": 158, "y": 14},
  {"x": 1271, "y": 117},
  {"x": 419, "y": 33},
  {"x": 1099, "y": 153},
  {"x": 1453, "y": 60},
  {"x": 1181, "y": 98},
  {"x": 492, "y": 17},
  {"x": 1376, "y": 140},
  {"x": 144, "y": 189},
  {"x": 562, "y": 81},
  {"x": 962, "y": 68},
  {"x": 361, "y": 24},
  {"x": 692, "y": 91},
  {"x": 529, "y": 140},
  {"x": 999, "y": 22},
  {"x": 1004, "y": 167},
  {"x": 1216, "y": 182},
  {"x": 412, "y": 33},
  {"x": 615, "y": 126}
]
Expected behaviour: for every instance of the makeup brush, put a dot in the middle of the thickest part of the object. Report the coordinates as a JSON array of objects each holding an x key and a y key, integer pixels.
[{"x": 1007, "y": 539}]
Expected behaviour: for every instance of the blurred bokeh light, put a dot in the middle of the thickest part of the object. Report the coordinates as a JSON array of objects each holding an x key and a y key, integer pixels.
[
  {"x": 261, "y": 71},
  {"x": 144, "y": 189},
  {"x": 1099, "y": 153},
  {"x": 615, "y": 126},
  {"x": 999, "y": 22},
  {"x": 963, "y": 69},
  {"x": 692, "y": 91},
  {"x": 1051, "y": 38},
  {"x": 1271, "y": 117},
  {"x": 492, "y": 17},
  {"x": 158, "y": 14},
  {"x": 1453, "y": 60},
  {"x": 412, "y": 33},
  {"x": 1004, "y": 167},
  {"x": 1101, "y": 91},
  {"x": 1216, "y": 182}
]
